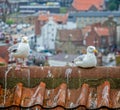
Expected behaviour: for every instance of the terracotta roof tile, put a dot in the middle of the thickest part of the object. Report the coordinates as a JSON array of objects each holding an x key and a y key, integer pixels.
[
  {"x": 101, "y": 31},
  {"x": 84, "y": 5},
  {"x": 62, "y": 96},
  {"x": 103, "y": 99},
  {"x": 43, "y": 18},
  {"x": 74, "y": 34},
  {"x": 56, "y": 17}
]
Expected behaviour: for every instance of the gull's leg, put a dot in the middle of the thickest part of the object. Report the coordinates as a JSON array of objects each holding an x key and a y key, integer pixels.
[
  {"x": 11, "y": 58},
  {"x": 24, "y": 63},
  {"x": 18, "y": 66}
]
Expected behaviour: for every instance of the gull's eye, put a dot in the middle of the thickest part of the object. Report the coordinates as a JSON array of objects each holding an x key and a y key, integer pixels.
[{"x": 91, "y": 49}]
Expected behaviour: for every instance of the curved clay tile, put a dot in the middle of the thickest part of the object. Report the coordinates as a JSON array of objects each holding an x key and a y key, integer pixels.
[
  {"x": 92, "y": 98},
  {"x": 18, "y": 94},
  {"x": 103, "y": 97},
  {"x": 32, "y": 96},
  {"x": 62, "y": 96},
  {"x": 82, "y": 99}
]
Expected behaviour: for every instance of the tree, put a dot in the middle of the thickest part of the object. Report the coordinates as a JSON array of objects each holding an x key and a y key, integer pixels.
[
  {"x": 9, "y": 21},
  {"x": 112, "y": 6}
]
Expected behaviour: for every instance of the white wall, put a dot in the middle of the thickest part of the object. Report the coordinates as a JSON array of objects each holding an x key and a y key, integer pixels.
[
  {"x": 48, "y": 34},
  {"x": 118, "y": 36}
]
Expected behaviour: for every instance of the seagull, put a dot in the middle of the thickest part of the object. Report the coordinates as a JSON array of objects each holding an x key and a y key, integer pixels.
[
  {"x": 20, "y": 50},
  {"x": 87, "y": 60}
]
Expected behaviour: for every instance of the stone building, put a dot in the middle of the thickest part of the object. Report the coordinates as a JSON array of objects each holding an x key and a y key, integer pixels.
[
  {"x": 83, "y": 19},
  {"x": 69, "y": 41}
]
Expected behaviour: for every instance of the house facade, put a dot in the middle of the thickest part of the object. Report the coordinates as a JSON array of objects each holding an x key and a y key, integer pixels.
[
  {"x": 46, "y": 28},
  {"x": 97, "y": 36},
  {"x": 44, "y": 16},
  {"x": 83, "y": 19},
  {"x": 4, "y": 9},
  {"x": 118, "y": 37},
  {"x": 48, "y": 35},
  {"x": 69, "y": 41},
  {"x": 111, "y": 24},
  {"x": 31, "y": 9}
]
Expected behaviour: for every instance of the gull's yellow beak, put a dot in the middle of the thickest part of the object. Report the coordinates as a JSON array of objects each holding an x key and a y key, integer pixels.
[
  {"x": 95, "y": 51},
  {"x": 25, "y": 40}
]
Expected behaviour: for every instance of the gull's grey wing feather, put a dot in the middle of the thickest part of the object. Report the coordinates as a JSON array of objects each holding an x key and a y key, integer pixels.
[
  {"x": 13, "y": 48},
  {"x": 80, "y": 58}
]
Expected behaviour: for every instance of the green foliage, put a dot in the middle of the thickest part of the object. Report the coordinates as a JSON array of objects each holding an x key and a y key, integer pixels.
[
  {"x": 113, "y": 4},
  {"x": 9, "y": 21},
  {"x": 51, "y": 83}
]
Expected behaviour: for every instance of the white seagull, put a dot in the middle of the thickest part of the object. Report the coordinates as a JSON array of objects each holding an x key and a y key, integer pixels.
[
  {"x": 88, "y": 60},
  {"x": 20, "y": 50}
]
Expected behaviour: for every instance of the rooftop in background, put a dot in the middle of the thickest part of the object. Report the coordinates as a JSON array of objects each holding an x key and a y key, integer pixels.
[
  {"x": 72, "y": 34},
  {"x": 60, "y": 18},
  {"x": 85, "y": 5},
  {"x": 14, "y": 1},
  {"x": 31, "y": 9},
  {"x": 73, "y": 15}
]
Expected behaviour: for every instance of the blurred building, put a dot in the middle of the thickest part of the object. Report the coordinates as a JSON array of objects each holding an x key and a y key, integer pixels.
[
  {"x": 48, "y": 34},
  {"x": 118, "y": 37},
  {"x": 88, "y": 5},
  {"x": 83, "y": 19},
  {"x": 31, "y": 9},
  {"x": 69, "y": 41},
  {"x": 44, "y": 16}
]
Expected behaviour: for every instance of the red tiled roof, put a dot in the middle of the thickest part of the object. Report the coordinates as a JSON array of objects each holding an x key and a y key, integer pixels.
[
  {"x": 102, "y": 31},
  {"x": 56, "y": 17},
  {"x": 62, "y": 96},
  {"x": 74, "y": 34},
  {"x": 84, "y": 5}
]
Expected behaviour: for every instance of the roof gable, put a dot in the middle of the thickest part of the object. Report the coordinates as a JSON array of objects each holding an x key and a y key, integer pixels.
[
  {"x": 73, "y": 35},
  {"x": 59, "y": 18},
  {"x": 102, "y": 31},
  {"x": 84, "y": 5}
]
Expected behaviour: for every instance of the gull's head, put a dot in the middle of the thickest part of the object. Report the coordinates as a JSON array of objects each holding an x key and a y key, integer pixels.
[
  {"x": 91, "y": 49},
  {"x": 24, "y": 39}
]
